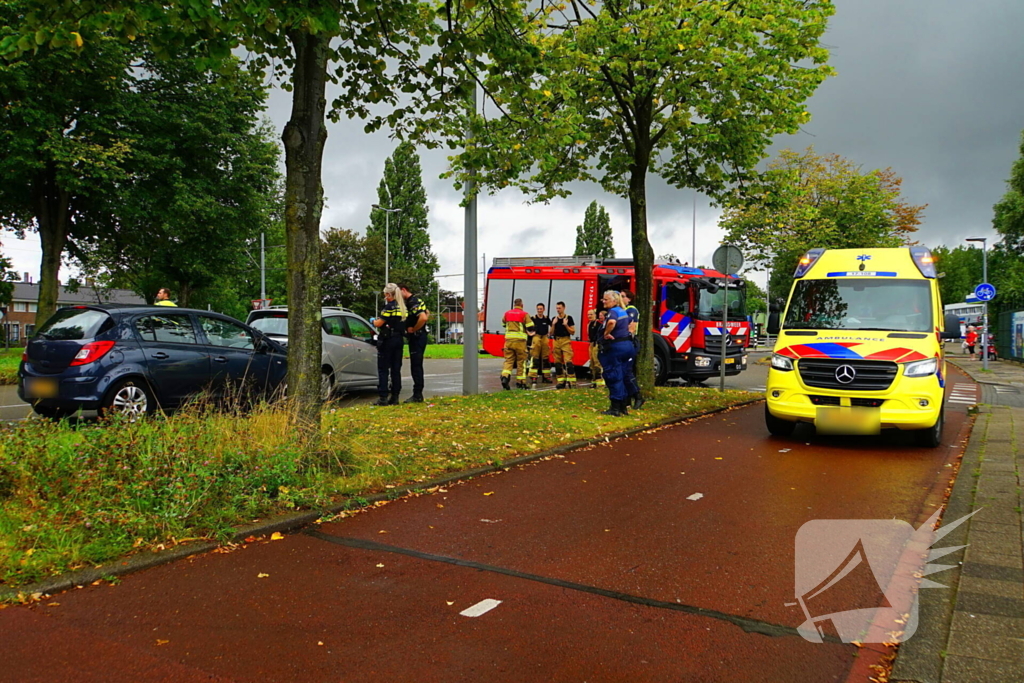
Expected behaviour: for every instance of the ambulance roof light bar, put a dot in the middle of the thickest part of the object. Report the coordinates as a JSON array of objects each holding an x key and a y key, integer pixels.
[
  {"x": 807, "y": 261},
  {"x": 924, "y": 261}
]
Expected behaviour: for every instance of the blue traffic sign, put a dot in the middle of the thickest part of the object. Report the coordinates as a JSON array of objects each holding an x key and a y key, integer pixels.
[{"x": 985, "y": 292}]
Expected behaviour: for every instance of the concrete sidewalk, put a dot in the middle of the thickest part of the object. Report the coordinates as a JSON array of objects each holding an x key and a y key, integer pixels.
[{"x": 974, "y": 629}]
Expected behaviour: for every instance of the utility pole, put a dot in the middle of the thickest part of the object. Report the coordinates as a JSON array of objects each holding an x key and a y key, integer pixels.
[
  {"x": 984, "y": 319},
  {"x": 470, "y": 358},
  {"x": 263, "y": 268}
]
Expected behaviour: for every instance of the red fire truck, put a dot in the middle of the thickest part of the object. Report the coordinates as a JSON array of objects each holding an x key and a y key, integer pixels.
[{"x": 688, "y": 309}]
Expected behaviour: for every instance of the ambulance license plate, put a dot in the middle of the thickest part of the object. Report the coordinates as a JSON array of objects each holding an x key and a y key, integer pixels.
[
  {"x": 848, "y": 420},
  {"x": 40, "y": 387}
]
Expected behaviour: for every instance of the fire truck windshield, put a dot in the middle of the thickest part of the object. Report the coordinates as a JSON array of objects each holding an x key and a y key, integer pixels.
[{"x": 709, "y": 306}]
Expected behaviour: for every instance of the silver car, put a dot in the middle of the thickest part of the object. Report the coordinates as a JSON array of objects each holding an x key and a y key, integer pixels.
[{"x": 349, "y": 354}]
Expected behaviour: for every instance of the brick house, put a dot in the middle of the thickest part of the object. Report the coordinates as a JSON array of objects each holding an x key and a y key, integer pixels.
[{"x": 19, "y": 323}]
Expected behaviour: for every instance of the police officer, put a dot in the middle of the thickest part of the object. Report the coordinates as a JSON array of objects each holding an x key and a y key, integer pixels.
[
  {"x": 518, "y": 326},
  {"x": 616, "y": 353},
  {"x": 562, "y": 329},
  {"x": 629, "y": 373},
  {"x": 595, "y": 333},
  {"x": 416, "y": 331},
  {"x": 539, "y": 347},
  {"x": 391, "y": 329}
]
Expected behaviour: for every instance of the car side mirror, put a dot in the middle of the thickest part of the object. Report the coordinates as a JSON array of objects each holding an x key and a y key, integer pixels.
[
  {"x": 952, "y": 326},
  {"x": 773, "y": 322}
]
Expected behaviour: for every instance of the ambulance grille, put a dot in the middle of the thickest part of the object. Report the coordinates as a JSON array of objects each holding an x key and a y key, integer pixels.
[{"x": 869, "y": 375}]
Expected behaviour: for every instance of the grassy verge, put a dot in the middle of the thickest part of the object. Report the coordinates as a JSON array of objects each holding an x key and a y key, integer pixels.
[
  {"x": 9, "y": 361},
  {"x": 440, "y": 351},
  {"x": 77, "y": 495}
]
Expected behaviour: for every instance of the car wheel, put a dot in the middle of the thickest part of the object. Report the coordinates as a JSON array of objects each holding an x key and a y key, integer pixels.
[
  {"x": 326, "y": 384},
  {"x": 931, "y": 437},
  {"x": 51, "y": 412},
  {"x": 777, "y": 426},
  {"x": 130, "y": 398}
]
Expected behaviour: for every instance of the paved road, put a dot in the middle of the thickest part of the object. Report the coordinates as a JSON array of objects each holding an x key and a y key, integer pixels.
[
  {"x": 604, "y": 569},
  {"x": 442, "y": 378}
]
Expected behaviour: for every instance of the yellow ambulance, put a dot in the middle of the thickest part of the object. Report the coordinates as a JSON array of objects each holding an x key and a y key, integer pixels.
[{"x": 860, "y": 345}]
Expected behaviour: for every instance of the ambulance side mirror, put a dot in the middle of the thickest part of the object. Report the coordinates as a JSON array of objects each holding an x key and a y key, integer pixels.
[
  {"x": 773, "y": 322},
  {"x": 952, "y": 327}
]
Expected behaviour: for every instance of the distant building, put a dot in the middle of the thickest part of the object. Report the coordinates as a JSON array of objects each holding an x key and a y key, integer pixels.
[{"x": 19, "y": 323}]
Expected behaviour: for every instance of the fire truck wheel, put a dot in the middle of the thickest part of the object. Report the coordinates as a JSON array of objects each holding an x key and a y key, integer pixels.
[{"x": 660, "y": 368}]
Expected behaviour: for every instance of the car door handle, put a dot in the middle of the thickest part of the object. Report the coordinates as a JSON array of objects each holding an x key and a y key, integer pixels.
[
  {"x": 220, "y": 359},
  {"x": 160, "y": 355}
]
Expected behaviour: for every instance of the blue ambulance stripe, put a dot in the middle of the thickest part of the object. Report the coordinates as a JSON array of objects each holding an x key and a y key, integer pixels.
[
  {"x": 834, "y": 350},
  {"x": 857, "y": 273}
]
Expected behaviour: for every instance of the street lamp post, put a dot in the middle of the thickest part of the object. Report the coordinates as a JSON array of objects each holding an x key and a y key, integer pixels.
[
  {"x": 984, "y": 278},
  {"x": 387, "y": 236}
]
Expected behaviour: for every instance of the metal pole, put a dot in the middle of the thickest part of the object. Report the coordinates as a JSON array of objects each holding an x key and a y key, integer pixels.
[
  {"x": 693, "y": 262},
  {"x": 387, "y": 245},
  {"x": 470, "y": 357},
  {"x": 725, "y": 334},
  {"x": 263, "y": 268},
  {"x": 984, "y": 324},
  {"x": 437, "y": 335}
]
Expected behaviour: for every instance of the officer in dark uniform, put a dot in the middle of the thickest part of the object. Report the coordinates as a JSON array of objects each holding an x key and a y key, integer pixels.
[
  {"x": 629, "y": 373},
  {"x": 390, "y": 336},
  {"x": 416, "y": 330}
]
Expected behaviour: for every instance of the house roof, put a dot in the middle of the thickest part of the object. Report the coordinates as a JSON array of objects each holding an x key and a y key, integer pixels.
[{"x": 24, "y": 291}]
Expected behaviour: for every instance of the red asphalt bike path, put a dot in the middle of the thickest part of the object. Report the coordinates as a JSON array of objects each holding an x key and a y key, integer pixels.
[{"x": 605, "y": 570}]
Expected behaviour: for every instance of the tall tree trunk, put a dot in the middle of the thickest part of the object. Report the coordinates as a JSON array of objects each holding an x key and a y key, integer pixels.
[
  {"x": 643, "y": 264},
  {"x": 52, "y": 212},
  {"x": 304, "y": 138}
]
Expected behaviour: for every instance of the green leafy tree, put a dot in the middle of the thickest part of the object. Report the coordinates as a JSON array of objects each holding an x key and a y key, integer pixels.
[
  {"x": 805, "y": 200},
  {"x": 62, "y": 146},
  {"x": 961, "y": 272},
  {"x": 757, "y": 300},
  {"x": 594, "y": 237},
  {"x": 371, "y": 50},
  {"x": 341, "y": 268},
  {"x": 1009, "y": 212},
  {"x": 7, "y": 279},
  {"x": 691, "y": 91},
  {"x": 406, "y": 226}
]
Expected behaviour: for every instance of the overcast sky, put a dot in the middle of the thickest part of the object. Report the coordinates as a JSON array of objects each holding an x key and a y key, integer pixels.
[{"x": 930, "y": 88}]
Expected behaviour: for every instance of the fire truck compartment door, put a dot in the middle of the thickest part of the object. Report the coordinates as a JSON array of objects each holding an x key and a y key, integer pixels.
[
  {"x": 499, "y": 300},
  {"x": 571, "y": 292}
]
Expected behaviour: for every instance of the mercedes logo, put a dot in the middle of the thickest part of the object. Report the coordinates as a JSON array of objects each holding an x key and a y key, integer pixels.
[{"x": 845, "y": 374}]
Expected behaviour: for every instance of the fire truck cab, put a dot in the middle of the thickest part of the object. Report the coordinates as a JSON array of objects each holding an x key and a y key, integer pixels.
[{"x": 687, "y": 316}]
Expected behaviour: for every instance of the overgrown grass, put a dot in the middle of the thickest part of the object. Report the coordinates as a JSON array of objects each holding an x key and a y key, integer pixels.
[
  {"x": 74, "y": 495},
  {"x": 440, "y": 351},
  {"x": 9, "y": 361}
]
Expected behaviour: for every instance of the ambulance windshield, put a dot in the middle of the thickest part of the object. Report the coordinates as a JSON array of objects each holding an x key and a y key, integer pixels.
[{"x": 884, "y": 305}]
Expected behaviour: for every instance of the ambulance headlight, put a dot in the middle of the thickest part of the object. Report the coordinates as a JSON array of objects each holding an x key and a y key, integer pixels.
[
  {"x": 921, "y": 368},
  {"x": 781, "y": 362}
]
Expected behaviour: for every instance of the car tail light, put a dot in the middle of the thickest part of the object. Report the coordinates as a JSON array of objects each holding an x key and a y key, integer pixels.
[
  {"x": 92, "y": 352},
  {"x": 24, "y": 356}
]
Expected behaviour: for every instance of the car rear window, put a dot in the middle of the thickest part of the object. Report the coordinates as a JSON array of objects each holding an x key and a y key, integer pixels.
[
  {"x": 76, "y": 323},
  {"x": 273, "y": 323}
]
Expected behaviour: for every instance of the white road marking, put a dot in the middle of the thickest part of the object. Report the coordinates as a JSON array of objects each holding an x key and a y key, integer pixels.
[
  {"x": 482, "y": 607},
  {"x": 964, "y": 394}
]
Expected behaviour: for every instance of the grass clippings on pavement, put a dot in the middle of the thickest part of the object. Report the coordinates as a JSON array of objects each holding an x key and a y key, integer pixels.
[{"x": 74, "y": 495}]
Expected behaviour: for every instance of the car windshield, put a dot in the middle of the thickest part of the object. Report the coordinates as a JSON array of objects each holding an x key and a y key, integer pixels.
[
  {"x": 884, "y": 305},
  {"x": 709, "y": 306},
  {"x": 276, "y": 324},
  {"x": 75, "y": 323}
]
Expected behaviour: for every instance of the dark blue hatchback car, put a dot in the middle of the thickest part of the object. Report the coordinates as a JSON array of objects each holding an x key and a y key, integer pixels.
[{"x": 132, "y": 360}]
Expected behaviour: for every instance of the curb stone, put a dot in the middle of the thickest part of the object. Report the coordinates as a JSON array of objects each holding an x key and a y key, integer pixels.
[{"x": 298, "y": 520}]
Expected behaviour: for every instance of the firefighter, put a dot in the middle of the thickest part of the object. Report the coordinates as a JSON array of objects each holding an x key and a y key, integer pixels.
[
  {"x": 629, "y": 373},
  {"x": 595, "y": 332},
  {"x": 417, "y": 333},
  {"x": 539, "y": 347},
  {"x": 390, "y": 326},
  {"x": 518, "y": 327},
  {"x": 562, "y": 329},
  {"x": 616, "y": 353}
]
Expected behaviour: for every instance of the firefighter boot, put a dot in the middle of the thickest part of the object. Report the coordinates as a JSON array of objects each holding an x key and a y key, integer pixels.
[{"x": 505, "y": 383}]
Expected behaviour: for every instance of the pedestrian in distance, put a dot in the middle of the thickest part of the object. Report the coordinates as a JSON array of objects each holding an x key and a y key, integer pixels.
[
  {"x": 595, "y": 333},
  {"x": 616, "y": 353},
  {"x": 563, "y": 327},
  {"x": 629, "y": 373},
  {"x": 163, "y": 297},
  {"x": 540, "y": 348},
  {"x": 518, "y": 327},
  {"x": 971, "y": 338},
  {"x": 416, "y": 331},
  {"x": 391, "y": 331}
]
